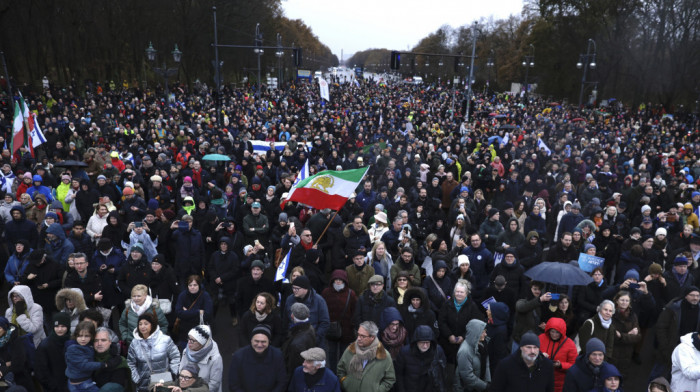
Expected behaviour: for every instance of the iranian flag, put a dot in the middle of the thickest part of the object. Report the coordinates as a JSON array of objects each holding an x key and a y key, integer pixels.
[
  {"x": 17, "y": 131},
  {"x": 327, "y": 189}
]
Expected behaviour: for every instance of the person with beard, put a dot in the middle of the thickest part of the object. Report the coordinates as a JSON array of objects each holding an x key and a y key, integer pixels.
[
  {"x": 257, "y": 366},
  {"x": 525, "y": 370},
  {"x": 563, "y": 251},
  {"x": 473, "y": 371},
  {"x": 50, "y": 361},
  {"x": 406, "y": 264},
  {"x": 680, "y": 317},
  {"x": 222, "y": 273},
  {"x": 585, "y": 374},
  {"x": 20, "y": 228},
  {"x": 559, "y": 349},
  {"x": 420, "y": 366}
]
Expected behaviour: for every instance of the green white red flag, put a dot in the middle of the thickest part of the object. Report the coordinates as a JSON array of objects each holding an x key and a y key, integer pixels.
[{"x": 327, "y": 189}]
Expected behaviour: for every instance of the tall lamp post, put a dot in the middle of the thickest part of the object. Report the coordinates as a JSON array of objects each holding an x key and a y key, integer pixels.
[
  {"x": 259, "y": 51},
  {"x": 585, "y": 61},
  {"x": 528, "y": 63},
  {"x": 279, "y": 53},
  {"x": 489, "y": 65},
  {"x": 164, "y": 71},
  {"x": 471, "y": 73}
]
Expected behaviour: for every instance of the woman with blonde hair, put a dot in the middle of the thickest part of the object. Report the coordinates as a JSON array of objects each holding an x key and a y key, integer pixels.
[
  {"x": 140, "y": 303},
  {"x": 263, "y": 310},
  {"x": 381, "y": 261}
]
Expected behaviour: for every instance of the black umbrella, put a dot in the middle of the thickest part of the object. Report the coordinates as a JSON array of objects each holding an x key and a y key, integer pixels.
[
  {"x": 562, "y": 274},
  {"x": 507, "y": 126},
  {"x": 71, "y": 163}
]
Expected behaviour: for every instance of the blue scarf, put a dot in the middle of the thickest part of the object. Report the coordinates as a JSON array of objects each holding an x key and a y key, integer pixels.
[{"x": 458, "y": 305}]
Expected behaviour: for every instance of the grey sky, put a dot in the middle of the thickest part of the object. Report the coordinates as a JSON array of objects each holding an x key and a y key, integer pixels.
[{"x": 392, "y": 24}]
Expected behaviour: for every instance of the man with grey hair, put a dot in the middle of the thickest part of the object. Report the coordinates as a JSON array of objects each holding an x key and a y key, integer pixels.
[
  {"x": 365, "y": 365},
  {"x": 301, "y": 337},
  {"x": 313, "y": 375},
  {"x": 117, "y": 376}
]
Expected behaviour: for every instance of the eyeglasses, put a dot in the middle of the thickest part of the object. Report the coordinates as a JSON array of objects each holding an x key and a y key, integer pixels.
[
  {"x": 192, "y": 340},
  {"x": 185, "y": 378},
  {"x": 402, "y": 280},
  {"x": 359, "y": 336},
  {"x": 294, "y": 288}
]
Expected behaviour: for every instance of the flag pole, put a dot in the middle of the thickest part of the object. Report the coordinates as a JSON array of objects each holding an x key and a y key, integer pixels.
[{"x": 327, "y": 226}]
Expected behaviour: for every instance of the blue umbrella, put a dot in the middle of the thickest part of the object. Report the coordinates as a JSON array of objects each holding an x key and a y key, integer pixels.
[
  {"x": 562, "y": 274},
  {"x": 216, "y": 157}
]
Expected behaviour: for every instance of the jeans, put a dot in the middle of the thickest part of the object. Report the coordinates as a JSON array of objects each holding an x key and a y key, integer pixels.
[{"x": 85, "y": 386}]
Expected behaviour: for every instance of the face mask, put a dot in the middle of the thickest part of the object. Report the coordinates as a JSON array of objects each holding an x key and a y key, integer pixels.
[{"x": 338, "y": 286}]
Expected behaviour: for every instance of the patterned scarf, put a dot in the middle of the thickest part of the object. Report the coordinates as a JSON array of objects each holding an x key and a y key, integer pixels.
[
  {"x": 357, "y": 363},
  {"x": 393, "y": 341}
]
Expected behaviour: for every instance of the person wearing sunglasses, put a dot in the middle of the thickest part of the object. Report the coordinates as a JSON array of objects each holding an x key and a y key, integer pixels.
[{"x": 188, "y": 380}]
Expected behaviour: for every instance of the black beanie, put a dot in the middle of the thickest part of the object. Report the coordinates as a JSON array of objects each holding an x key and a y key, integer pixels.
[{"x": 302, "y": 282}]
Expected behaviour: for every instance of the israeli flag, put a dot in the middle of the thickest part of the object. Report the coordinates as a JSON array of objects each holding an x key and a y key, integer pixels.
[
  {"x": 261, "y": 146},
  {"x": 540, "y": 145},
  {"x": 282, "y": 269}
]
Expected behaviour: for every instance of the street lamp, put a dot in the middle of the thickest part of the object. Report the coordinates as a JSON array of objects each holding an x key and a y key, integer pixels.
[
  {"x": 528, "y": 63},
  {"x": 259, "y": 51},
  {"x": 585, "y": 61},
  {"x": 279, "y": 53},
  {"x": 489, "y": 65},
  {"x": 164, "y": 71}
]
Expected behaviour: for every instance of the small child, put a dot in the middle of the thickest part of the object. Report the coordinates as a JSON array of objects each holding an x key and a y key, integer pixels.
[{"x": 80, "y": 361}]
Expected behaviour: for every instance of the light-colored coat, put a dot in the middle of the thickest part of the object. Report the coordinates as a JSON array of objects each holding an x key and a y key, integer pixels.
[
  {"x": 211, "y": 368},
  {"x": 158, "y": 351},
  {"x": 34, "y": 323},
  {"x": 685, "y": 370},
  {"x": 469, "y": 362}
]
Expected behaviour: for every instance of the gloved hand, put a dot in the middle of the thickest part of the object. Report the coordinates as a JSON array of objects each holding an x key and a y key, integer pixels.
[
  {"x": 113, "y": 363},
  {"x": 20, "y": 307}
]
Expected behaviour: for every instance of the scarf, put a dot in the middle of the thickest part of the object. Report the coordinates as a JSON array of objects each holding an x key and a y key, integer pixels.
[
  {"x": 401, "y": 293},
  {"x": 306, "y": 246},
  {"x": 105, "y": 356},
  {"x": 197, "y": 177},
  {"x": 394, "y": 341},
  {"x": 198, "y": 356},
  {"x": 357, "y": 363},
  {"x": 681, "y": 278},
  {"x": 6, "y": 337},
  {"x": 188, "y": 209},
  {"x": 459, "y": 305},
  {"x": 139, "y": 310},
  {"x": 59, "y": 340},
  {"x": 13, "y": 321},
  {"x": 260, "y": 316},
  {"x": 313, "y": 379},
  {"x": 606, "y": 324}
]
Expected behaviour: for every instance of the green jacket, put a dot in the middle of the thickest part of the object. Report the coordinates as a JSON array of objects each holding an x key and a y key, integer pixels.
[
  {"x": 378, "y": 375},
  {"x": 358, "y": 280},
  {"x": 129, "y": 320}
]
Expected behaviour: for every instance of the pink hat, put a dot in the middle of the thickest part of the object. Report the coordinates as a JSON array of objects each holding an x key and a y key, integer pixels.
[
  {"x": 27, "y": 175},
  {"x": 187, "y": 179}
]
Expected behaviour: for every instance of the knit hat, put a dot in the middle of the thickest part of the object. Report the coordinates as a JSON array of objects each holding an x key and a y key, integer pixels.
[
  {"x": 508, "y": 251},
  {"x": 632, "y": 274},
  {"x": 262, "y": 329},
  {"x": 148, "y": 316},
  {"x": 314, "y": 354},
  {"x": 104, "y": 244},
  {"x": 462, "y": 259},
  {"x": 682, "y": 260},
  {"x": 302, "y": 282},
  {"x": 492, "y": 212},
  {"x": 576, "y": 206},
  {"x": 688, "y": 290},
  {"x": 61, "y": 318},
  {"x": 593, "y": 345},
  {"x": 4, "y": 324},
  {"x": 159, "y": 258},
  {"x": 156, "y": 178},
  {"x": 588, "y": 246},
  {"x": 283, "y": 217},
  {"x": 530, "y": 339},
  {"x": 128, "y": 191},
  {"x": 192, "y": 368},
  {"x": 645, "y": 208},
  {"x": 300, "y": 311},
  {"x": 200, "y": 333},
  {"x": 257, "y": 264},
  {"x": 660, "y": 231},
  {"x": 375, "y": 279},
  {"x": 655, "y": 269},
  {"x": 137, "y": 247},
  {"x": 51, "y": 214}
]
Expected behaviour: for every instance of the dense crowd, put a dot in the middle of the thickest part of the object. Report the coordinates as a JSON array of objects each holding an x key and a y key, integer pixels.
[{"x": 124, "y": 237}]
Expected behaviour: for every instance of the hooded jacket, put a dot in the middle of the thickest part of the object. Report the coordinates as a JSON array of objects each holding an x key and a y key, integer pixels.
[
  {"x": 562, "y": 350},
  {"x": 335, "y": 300},
  {"x": 497, "y": 331},
  {"x": 158, "y": 351},
  {"x": 445, "y": 284},
  {"x": 60, "y": 248},
  {"x": 17, "y": 263},
  {"x": 21, "y": 228},
  {"x": 512, "y": 238},
  {"x": 469, "y": 366},
  {"x": 418, "y": 371},
  {"x": 32, "y": 320},
  {"x": 76, "y": 296},
  {"x": 424, "y": 315},
  {"x": 685, "y": 362},
  {"x": 530, "y": 255}
]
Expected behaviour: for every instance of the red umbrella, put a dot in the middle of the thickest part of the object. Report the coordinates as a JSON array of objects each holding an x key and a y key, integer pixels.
[
  {"x": 578, "y": 119},
  {"x": 554, "y": 104}
]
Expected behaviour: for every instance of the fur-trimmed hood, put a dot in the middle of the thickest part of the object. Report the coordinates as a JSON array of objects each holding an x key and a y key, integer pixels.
[
  {"x": 74, "y": 294},
  {"x": 347, "y": 230},
  {"x": 381, "y": 352}
]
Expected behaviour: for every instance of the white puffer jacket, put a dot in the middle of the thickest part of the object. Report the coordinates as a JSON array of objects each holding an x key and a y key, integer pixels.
[
  {"x": 158, "y": 351},
  {"x": 34, "y": 323},
  {"x": 685, "y": 370},
  {"x": 211, "y": 367}
]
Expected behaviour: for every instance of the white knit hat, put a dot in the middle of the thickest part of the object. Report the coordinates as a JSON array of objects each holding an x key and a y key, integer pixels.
[{"x": 201, "y": 333}]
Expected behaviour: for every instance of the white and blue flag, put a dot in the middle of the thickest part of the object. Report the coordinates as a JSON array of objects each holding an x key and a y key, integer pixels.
[{"x": 282, "y": 269}]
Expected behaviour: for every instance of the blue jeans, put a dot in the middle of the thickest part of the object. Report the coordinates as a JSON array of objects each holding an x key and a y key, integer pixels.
[
  {"x": 85, "y": 386},
  {"x": 112, "y": 387}
]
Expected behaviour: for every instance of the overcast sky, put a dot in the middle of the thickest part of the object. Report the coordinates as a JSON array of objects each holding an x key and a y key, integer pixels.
[{"x": 392, "y": 24}]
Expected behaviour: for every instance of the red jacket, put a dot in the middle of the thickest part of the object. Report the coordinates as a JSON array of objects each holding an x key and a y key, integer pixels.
[{"x": 562, "y": 350}]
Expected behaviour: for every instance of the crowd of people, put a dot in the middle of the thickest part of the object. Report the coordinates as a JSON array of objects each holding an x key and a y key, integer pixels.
[{"x": 125, "y": 239}]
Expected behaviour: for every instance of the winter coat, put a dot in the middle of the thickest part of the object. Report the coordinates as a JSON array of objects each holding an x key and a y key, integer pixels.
[
  {"x": 424, "y": 315},
  {"x": 129, "y": 320},
  {"x": 190, "y": 318},
  {"x": 562, "y": 350},
  {"x": 21, "y": 228},
  {"x": 50, "y": 365},
  {"x": 378, "y": 374},
  {"x": 435, "y": 295},
  {"x": 421, "y": 372},
  {"x": 90, "y": 285},
  {"x": 580, "y": 378},
  {"x": 250, "y": 372},
  {"x": 164, "y": 284},
  {"x": 189, "y": 252},
  {"x": 328, "y": 383},
  {"x": 248, "y": 322},
  {"x": 370, "y": 307},
  {"x": 134, "y": 272},
  {"x": 211, "y": 367},
  {"x": 115, "y": 259},
  {"x": 481, "y": 265},
  {"x": 224, "y": 266},
  {"x": 624, "y": 345},
  {"x": 593, "y": 328},
  {"x": 301, "y": 338},
  {"x": 537, "y": 224},
  {"x": 454, "y": 323},
  {"x": 497, "y": 330},
  {"x": 155, "y": 354},
  {"x": 76, "y": 296},
  {"x": 667, "y": 331},
  {"x": 358, "y": 278},
  {"x": 32, "y": 320},
  {"x": 335, "y": 300},
  {"x": 80, "y": 361},
  {"x": 356, "y": 239},
  {"x": 685, "y": 361},
  {"x": 48, "y": 272},
  {"x": 13, "y": 351},
  {"x": 469, "y": 367},
  {"x": 528, "y": 316},
  {"x": 515, "y": 277},
  {"x": 411, "y": 268},
  {"x": 588, "y": 300},
  {"x": 95, "y": 225},
  {"x": 513, "y": 375},
  {"x": 247, "y": 289},
  {"x": 17, "y": 263},
  {"x": 61, "y": 248},
  {"x": 318, "y": 312},
  {"x": 529, "y": 255},
  {"x": 512, "y": 238}
]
